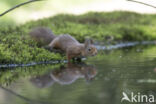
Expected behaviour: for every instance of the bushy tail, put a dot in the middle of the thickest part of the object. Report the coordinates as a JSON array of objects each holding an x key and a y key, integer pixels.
[{"x": 42, "y": 35}]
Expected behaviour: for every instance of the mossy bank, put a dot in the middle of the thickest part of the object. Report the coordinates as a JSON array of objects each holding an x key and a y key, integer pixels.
[{"x": 17, "y": 47}]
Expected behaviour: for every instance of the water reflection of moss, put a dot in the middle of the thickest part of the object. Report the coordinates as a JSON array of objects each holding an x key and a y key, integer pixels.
[
  {"x": 7, "y": 76},
  {"x": 17, "y": 47}
]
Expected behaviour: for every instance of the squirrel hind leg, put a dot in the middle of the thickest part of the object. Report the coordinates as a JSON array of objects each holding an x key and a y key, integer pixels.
[
  {"x": 69, "y": 57},
  {"x": 53, "y": 43}
]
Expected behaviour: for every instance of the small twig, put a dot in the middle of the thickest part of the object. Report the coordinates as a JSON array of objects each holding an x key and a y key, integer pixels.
[
  {"x": 30, "y": 1},
  {"x": 142, "y": 3}
]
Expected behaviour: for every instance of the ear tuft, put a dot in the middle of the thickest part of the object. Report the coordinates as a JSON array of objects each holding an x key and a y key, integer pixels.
[
  {"x": 91, "y": 41},
  {"x": 87, "y": 42}
]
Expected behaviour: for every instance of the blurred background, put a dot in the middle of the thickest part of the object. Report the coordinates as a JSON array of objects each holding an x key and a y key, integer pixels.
[{"x": 46, "y": 8}]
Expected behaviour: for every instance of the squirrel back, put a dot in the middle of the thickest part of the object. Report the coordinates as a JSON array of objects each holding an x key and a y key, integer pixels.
[
  {"x": 63, "y": 42},
  {"x": 42, "y": 35},
  {"x": 72, "y": 47}
]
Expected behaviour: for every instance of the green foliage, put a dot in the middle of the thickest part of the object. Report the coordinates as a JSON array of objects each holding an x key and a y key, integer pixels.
[
  {"x": 17, "y": 47},
  {"x": 125, "y": 26}
]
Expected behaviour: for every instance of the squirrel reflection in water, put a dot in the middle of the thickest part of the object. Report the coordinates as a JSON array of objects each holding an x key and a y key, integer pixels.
[{"x": 65, "y": 75}]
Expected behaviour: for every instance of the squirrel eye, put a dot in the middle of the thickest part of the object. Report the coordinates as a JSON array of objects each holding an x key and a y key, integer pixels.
[{"x": 89, "y": 49}]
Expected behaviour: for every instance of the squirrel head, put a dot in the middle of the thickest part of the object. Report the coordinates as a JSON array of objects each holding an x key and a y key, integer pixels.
[{"x": 89, "y": 48}]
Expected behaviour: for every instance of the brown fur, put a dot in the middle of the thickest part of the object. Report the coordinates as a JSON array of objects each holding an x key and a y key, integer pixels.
[
  {"x": 72, "y": 47},
  {"x": 42, "y": 35},
  {"x": 65, "y": 42}
]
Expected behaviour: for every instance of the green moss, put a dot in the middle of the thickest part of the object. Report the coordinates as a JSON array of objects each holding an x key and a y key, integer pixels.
[{"x": 17, "y": 47}]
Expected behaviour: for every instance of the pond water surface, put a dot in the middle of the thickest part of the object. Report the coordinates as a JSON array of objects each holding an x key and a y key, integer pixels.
[{"x": 98, "y": 80}]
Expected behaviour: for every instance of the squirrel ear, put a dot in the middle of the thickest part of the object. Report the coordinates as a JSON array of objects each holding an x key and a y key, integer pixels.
[
  {"x": 87, "y": 42},
  {"x": 91, "y": 41}
]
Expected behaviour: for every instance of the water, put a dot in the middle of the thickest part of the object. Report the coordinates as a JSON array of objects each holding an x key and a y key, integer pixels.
[{"x": 98, "y": 80}]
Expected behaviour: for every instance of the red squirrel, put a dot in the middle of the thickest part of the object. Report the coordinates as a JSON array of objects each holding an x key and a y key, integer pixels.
[{"x": 65, "y": 42}]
